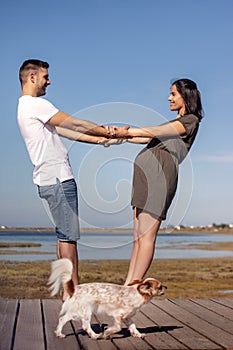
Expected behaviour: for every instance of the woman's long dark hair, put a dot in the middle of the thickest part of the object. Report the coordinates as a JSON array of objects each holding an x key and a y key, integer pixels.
[{"x": 191, "y": 96}]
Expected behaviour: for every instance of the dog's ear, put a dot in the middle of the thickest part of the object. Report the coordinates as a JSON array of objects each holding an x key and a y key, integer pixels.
[
  {"x": 134, "y": 282},
  {"x": 148, "y": 288}
]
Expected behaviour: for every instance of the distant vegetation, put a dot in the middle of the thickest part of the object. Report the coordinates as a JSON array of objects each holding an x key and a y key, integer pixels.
[{"x": 19, "y": 245}]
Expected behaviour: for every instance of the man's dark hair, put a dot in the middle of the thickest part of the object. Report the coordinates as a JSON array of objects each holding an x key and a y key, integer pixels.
[{"x": 29, "y": 65}]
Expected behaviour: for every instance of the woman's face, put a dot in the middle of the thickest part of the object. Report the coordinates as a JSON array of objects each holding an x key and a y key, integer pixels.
[{"x": 176, "y": 101}]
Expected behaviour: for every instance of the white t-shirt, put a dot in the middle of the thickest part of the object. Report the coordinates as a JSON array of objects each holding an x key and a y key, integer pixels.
[{"x": 46, "y": 150}]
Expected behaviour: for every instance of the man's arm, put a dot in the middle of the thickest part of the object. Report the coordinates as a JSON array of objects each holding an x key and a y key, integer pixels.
[
  {"x": 78, "y": 136},
  {"x": 66, "y": 121}
]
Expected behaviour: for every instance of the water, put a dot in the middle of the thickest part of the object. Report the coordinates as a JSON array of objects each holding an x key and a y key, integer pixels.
[{"x": 113, "y": 245}]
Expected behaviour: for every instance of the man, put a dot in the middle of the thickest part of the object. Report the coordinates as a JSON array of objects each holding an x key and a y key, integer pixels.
[{"x": 41, "y": 123}]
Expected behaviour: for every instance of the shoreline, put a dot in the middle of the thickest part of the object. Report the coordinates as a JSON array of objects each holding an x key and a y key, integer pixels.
[
  {"x": 226, "y": 246},
  {"x": 185, "y": 230}
]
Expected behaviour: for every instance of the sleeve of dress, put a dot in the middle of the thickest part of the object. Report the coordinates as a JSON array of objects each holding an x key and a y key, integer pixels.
[{"x": 190, "y": 123}]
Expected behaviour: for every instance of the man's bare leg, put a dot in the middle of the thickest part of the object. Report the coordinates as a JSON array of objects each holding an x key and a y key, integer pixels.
[{"x": 69, "y": 250}]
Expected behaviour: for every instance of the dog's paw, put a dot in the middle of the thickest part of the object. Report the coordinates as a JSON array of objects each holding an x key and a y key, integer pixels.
[
  {"x": 106, "y": 335},
  {"x": 96, "y": 335},
  {"x": 138, "y": 335},
  {"x": 59, "y": 334}
]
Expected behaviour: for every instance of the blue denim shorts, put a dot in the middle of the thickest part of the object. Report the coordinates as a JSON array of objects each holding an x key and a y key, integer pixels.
[{"x": 62, "y": 199}]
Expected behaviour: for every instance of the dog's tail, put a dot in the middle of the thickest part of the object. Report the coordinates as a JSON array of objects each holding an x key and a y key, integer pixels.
[{"x": 61, "y": 276}]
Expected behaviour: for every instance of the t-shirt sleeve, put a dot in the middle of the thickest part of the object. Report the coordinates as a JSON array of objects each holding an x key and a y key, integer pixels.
[
  {"x": 45, "y": 110},
  {"x": 190, "y": 123}
]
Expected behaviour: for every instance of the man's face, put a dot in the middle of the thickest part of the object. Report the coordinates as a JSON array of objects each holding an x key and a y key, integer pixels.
[{"x": 42, "y": 81}]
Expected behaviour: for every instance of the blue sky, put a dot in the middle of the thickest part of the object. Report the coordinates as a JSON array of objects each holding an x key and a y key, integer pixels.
[{"x": 112, "y": 61}]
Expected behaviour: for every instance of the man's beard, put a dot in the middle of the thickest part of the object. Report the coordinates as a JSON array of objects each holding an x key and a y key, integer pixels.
[{"x": 41, "y": 91}]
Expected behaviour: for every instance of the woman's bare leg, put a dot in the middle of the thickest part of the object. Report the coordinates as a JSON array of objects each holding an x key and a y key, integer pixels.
[
  {"x": 144, "y": 243},
  {"x": 134, "y": 251}
]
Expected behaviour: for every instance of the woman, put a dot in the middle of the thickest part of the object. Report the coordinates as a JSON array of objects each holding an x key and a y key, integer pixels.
[{"x": 156, "y": 171}]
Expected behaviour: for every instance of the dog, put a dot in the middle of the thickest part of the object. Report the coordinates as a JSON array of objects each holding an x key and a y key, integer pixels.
[{"x": 120, "y": 302}]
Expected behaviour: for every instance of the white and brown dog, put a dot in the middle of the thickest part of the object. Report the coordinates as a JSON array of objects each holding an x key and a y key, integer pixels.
[{"x": 120, "y": 302}]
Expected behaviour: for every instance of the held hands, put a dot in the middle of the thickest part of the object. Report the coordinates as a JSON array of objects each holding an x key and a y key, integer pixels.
[
  {"x": 117, "y": 132},
  {"x": 118, "y": 135}
]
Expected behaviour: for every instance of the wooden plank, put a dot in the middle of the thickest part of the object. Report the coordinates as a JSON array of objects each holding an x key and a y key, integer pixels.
[
  {"x": 212, "y": 332},
  {"x": 51, "y": 310},
  {"x": 157, "y": 336},
  {"x": 29, "y": 330},
  {"x": 225, "y": 301},
  {"x": 174, "y": 326},
  {"x": 131, "y": 343},
  {"x": 8, "y": 315},
  {"x": 205, "y": 314},
  {"x": 219, "y": 309}
]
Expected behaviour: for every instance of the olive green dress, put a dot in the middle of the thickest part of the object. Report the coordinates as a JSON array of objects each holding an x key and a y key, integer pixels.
[{"x": 156, "y": 169}]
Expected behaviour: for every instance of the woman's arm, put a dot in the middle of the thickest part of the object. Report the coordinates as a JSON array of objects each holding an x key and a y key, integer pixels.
[
  {"x": 169, "y": 129},
  {"x": 145, "y": 134},
  {"x": 119, "y": 141},
  {"x": 141, "y": 140}
]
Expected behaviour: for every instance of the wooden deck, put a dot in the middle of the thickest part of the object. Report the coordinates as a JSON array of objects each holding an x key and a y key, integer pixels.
[{"x": 168, "y": 324}]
